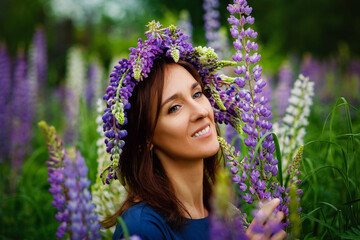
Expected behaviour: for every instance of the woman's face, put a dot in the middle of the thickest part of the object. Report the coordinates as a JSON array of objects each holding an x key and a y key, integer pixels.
[{"x": 185, "y": 129}]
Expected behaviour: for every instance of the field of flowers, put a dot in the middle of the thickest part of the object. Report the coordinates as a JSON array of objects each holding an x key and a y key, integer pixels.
[{"x": 293, "y": 121}]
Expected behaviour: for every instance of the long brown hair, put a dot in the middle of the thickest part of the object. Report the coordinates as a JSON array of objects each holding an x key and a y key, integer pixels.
[{"x": 141, "y": 171}]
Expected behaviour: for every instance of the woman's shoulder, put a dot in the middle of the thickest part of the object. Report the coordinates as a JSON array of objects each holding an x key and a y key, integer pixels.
[{"x": 143, "y": 221}]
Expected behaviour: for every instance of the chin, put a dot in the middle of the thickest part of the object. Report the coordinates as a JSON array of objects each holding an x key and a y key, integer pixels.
[{"x": 213, "y": 149}]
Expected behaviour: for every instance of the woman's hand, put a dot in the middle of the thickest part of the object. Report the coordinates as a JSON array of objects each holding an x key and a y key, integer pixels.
[{"x": 266, "y": 222}]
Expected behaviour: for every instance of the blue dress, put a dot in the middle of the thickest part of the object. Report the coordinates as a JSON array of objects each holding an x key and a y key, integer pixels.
[{"x": 143, "y": 221}]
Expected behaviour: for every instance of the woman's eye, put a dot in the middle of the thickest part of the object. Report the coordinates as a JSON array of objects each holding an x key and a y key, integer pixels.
[
  {"x": 174, "y": 108},
  {"x": 197, "y": 94}
]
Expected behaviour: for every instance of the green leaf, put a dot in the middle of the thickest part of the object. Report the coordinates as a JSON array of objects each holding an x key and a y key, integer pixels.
[{"x": 278, "y": 155}]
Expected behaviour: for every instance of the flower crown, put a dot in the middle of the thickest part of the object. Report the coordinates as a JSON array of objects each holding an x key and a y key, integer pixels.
[{"x": 169, "y": 42}]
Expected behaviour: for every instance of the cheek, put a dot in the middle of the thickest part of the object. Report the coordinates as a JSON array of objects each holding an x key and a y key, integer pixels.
[
  {"x": 169, "y": 130},
  {"x": 210, "y": 109}
]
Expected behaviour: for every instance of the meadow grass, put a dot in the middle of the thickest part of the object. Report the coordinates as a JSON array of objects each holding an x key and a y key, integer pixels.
[{"x": 330, "y": 173}]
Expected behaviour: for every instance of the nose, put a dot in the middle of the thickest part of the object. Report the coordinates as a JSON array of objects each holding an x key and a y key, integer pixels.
[{"x": 199, "y": 110}]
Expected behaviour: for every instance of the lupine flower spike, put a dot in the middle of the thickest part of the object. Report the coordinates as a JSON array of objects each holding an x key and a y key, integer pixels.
[
  {"x": 5, "y": 93},
  {"x": 107, "y": 198},
  {"x": 293, "y": 192},
  {"x": 75, "y": 80},
  {"x": 21, "y": 129},
  {"x": 37, "y": 69},
  {"x": 253, "y": 116},
  {"x": 292, "y": 130},
  {"x": 69, "y": 185},
  {"x": 212, "y": 24}
]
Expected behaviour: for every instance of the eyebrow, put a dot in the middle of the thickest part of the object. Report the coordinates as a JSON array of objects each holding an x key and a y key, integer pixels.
[{"x": 194, "y": 85}]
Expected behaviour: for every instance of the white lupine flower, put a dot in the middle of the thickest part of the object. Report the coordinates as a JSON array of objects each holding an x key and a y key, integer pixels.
[
  {"x": 108, "y": 197},
  {"x": 292, "y": 131},
  {"x": 288, "y": 119},
  {"x": 74, "y": 82}
]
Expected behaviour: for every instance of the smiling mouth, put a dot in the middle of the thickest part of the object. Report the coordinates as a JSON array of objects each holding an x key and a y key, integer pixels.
[{"x": 202, "y": 132}]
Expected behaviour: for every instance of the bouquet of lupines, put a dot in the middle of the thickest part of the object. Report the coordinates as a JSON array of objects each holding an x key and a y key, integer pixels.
[
  {"x": 107, "y": 198},
  {"x": 291, "y": 132},
  {"x": 69, "y": 185}
]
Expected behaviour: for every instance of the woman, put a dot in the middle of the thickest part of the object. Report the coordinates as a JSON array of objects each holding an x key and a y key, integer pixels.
[{"x": 170, "y": 158}]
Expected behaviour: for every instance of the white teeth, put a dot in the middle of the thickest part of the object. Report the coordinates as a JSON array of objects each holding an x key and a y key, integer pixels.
[{"x": 206, "y": 130}]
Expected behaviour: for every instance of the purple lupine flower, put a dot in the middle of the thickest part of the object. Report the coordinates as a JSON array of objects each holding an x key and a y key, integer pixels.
[
  {"x": 40, "y": 59},
  {"x": 232, "y": 136},
  {"x": 267, "y": 94},
  {"x": 56, "y": 176},
  {"x": 37, "y": 70},
  {"x": 253, "y": 113},
  {"x": 282, "y": 92},
  {"x": 83, "y": 222},
  {"x": 5, "y": 96},
  {"x": 271, "y": 227},
  {"x": 224, "y": 229},
  {"x": 70, "y": 186},
  {"x": 21, "y": 129},
  {"x": 313, "y": 69},
  {"x": 353, "y": 69},
  {"x": 212, "y": 25},
  {"x": 40, "y": 45}
]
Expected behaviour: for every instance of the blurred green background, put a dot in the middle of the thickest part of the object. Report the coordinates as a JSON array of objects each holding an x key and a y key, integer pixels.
[{"x": 323, "y": 28}]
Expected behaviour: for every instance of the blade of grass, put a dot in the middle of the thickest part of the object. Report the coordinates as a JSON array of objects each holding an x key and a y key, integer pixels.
[
  {"x": 320, "y": 222},
  {"x": 336, "y": 144},
  {"x": 333, "y": 167},
  {"x": 278, "y": 155}
]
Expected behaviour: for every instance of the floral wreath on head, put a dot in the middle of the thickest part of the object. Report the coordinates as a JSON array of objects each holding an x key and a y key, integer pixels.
[{"x": 170, "y": 42}]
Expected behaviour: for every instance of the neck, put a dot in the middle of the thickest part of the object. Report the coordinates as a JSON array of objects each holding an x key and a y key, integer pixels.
[{"x": 186, "y": 178}]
